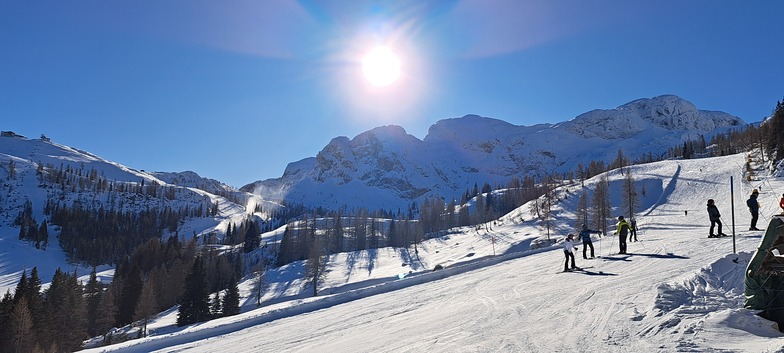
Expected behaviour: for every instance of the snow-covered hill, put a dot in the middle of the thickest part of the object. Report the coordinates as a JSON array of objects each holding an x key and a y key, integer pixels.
[
  {"x": 676, "y": 290},
  {"x": 41, "y": 172},
  {"x": 386, "y": 168}
]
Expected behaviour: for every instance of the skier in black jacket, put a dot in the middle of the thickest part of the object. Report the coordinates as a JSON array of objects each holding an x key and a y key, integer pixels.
[
  {"x": 754, "y": 207},
  {"x": 715, "y": 218}
]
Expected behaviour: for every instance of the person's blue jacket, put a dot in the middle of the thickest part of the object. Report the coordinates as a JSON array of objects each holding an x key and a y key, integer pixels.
[
  {"x": 752, "y": 203},
  {"x": 585, "y": 234}
]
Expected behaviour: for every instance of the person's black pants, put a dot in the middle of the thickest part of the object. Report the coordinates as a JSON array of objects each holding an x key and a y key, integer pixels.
[
  {"x": 586, "y": 244},
  {"x": 622, "y": 243},
  {"x": 713, "y": 223},
  {"x": 568, "y": 254},
  {"x": 754, "y": 217}
]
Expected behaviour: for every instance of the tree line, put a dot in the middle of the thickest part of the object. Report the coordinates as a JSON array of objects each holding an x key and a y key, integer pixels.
[{"x": 157, "y": 276}]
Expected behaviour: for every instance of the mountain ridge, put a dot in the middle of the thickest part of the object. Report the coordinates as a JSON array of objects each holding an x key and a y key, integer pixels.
[{"x": 395, "y": 168}]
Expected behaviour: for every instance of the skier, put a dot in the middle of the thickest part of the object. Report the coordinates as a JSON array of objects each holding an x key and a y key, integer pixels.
[
  {"x": 754, "y": 206},
  {"x": 715, "y": 218},
  {"x": 585, "y": 235},
  {"x": 569, "y": 249},
  {"x": 622, "y": 231},
  {"x": 633, "y": 230}
]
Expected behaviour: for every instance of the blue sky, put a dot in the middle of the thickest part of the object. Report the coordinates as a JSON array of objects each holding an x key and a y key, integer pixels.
[{"x": 235, "y": 90}]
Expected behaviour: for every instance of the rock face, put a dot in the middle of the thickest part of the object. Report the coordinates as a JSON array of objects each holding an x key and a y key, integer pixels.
[
  {"x": 666, "y": 112},
  {"x": 388, "y": 168}
]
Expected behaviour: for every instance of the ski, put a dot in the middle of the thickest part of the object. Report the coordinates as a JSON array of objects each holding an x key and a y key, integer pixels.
[{"x": 578, "y": 269}]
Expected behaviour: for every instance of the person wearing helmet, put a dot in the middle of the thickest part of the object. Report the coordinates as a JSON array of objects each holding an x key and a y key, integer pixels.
[
  {"x": 585, "y": 235},
  {"x": 622, "y": 231},
  {"x": 715, "y": 218},
  {"x": 568, "y": 247}
]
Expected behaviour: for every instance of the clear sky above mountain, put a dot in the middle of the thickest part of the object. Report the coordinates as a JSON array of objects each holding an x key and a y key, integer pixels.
[{"x": 236, "y": 90}]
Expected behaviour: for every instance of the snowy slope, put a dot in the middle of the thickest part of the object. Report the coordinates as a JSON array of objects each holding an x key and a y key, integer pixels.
[
  {"x": 26, "y": 184},
  {"x": 386, "y": 168},
  {"x": 676, "y": 291}
]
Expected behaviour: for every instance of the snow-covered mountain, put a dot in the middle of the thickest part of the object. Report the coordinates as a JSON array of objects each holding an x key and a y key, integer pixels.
[
  {"x": 388, "y": 168},
  {"x": 193, "y": 180},
  {"x": 39, "y": 172}
]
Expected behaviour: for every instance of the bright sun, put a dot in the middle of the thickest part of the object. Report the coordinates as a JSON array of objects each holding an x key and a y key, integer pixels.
[{"x": 381, "y": 66}]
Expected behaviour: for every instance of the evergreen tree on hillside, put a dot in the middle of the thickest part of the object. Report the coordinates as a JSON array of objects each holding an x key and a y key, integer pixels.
[
  {"x": 21, "y": 337},
  {"x": 195, "y": 301},
  {"x": 6, "y": 305},
  {"x": 129, "y": 297},
  {"x": 252, "y": 236},
  {"x": 231, "y": 300},
  {"x": 337, "y": 234},
  {"x": 30, "y": 288},
  {"x": 93, "y": 293},
  {"x": 64, "y": 303},
  {"x": 107, "y": 310},
  {"x": 393, "y": 237},
  {"x": 11, "y": 169},
  {"x": 776, "y": 132},
  {"x": 286, "y": 248},
  {"x": 42, "y": 239},
  {"x": 146, "y": 307}
]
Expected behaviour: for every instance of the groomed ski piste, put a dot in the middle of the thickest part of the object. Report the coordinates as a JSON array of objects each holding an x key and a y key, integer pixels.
[{"x": 676, "y": 290}]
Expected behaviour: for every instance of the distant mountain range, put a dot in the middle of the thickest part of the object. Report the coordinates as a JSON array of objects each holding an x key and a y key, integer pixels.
[{"x": 388, "y": 168}]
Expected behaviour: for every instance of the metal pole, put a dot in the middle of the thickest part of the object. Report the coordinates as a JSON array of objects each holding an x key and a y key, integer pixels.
[{"x": 732, "y": 205}]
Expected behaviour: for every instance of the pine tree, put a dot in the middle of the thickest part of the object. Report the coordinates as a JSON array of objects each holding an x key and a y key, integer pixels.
[
  {"x": 43, "y": 236},
  {"x": 31, "y": 290},
  {"x": 392, "y": 234},
  {"x": 231, "y": 300},
  {"x": 195, "y": 301},
  {"x": 11, "y": 169},
  {"x": 252, "y": 236},
  {"x": 93, "y": 294},
  {"x": 337, "y": 244},
  {"x": 22, "y": 335},
  {"x": 286, "y": 248},
  {"x": 146, "y": 307},
  {"x": 107, "y": 310},
  {"x": 129, "y": 297},
  {"x": 6, "y": 306},
  {"x": 64, "y": 303}
]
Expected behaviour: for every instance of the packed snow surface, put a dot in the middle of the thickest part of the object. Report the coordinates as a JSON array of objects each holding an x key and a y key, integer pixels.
[{"x": 676, "y": 290}]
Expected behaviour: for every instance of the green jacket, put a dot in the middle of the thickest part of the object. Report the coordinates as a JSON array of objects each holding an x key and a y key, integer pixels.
[{"x": 623, "y": 227}]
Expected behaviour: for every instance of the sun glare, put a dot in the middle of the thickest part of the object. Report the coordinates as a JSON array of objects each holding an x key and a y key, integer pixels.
[{"x": 381, "y": 67}]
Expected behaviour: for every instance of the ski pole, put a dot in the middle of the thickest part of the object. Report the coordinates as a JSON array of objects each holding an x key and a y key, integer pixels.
[{"x": 611, "y": 244}]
